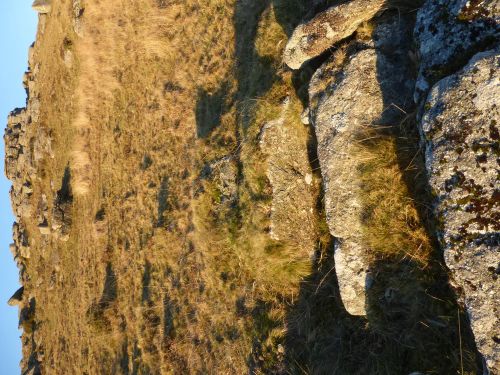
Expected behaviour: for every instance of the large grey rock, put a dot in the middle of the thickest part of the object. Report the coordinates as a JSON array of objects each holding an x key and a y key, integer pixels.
[
  {"x": 42, "y": 6},
  {"x": 290, "y": 175},
  {"x": 460, "y": 126},
  {"x": 371, "y": 88},
  {"x": 355, "y": 101},
  {"x": 449, "y": 32},
  {"x": 329, "y": 27}
]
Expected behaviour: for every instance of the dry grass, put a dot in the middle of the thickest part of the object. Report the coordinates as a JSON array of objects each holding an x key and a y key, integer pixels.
[
  {"x": 392, "y": 223},
  {"x": 160, "y": 274}
]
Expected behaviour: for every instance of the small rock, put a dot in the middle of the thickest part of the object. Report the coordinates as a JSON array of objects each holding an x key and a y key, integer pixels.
[
  {"x": 68, "y": 58},
  {"x": 44, "y": 229},
  {"x": 42, "y": 6},
  {"x": 304, "y": 117},
  {"x": 17, "y": 297}
]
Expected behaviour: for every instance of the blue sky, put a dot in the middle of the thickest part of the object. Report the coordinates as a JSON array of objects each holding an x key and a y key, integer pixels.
[{"x": 17, "y": 32}]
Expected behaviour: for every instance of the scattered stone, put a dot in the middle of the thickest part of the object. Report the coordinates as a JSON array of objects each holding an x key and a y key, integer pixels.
[
  {"x": 311, "y": 39},
  {"x": 461, "y": 131},
  {"x": 225, "y": 173},
  {"x": 44, "y": 229}
]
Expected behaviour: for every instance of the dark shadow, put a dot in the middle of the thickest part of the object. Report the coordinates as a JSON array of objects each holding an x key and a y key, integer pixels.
[
  {"x": 96, "y": 314},
  {"x": 413, "y": 307},
  {"x": 109, "y": 292},
  {"x": 322, "y": 338},
  {"x": 62, "y": 211},
  {"x": 124, "y": 358},
  {"x": 64, "y": 195},
  {"x": 146, "y": 283},
  {"x": 414, "y": 310},
  {"x": 163, "y": 203},
  {"x": 169, "y": 310},
  {"x": 209, "y": 109}
]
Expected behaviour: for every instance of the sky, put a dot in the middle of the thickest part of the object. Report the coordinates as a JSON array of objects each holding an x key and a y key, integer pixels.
[{"x": 17, "y": 31}]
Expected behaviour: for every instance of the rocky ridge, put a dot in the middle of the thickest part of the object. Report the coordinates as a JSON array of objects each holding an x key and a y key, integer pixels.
[{"x": 28, "y": 145}]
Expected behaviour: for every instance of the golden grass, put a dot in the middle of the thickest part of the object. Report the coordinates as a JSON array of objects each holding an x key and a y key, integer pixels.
[
  {"x": 160, "y": 275},
  {"x": 392, "y": 225}
]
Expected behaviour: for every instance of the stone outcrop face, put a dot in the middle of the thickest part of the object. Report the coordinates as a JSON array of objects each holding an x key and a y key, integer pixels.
[
  {"x": 28, "y": 145},
  {"x": 449, "y": 32},
  {"x": 42, "y": 6},
  {"x": 461, "y": 130},
  {"x": 360, "y": 96},
  {"x": 290, "y": 175},
  {"x": 17, "y": 297},
  {"x": 335, "y": 24}
]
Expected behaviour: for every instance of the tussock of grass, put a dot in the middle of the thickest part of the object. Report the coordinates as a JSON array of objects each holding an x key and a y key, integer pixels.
[{"x": 392, "y": 225}]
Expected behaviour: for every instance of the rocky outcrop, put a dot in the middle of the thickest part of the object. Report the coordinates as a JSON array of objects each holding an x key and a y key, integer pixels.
[
  {"x": 369, "y": 89},
  {"x": 17, "y": 297},
  {"x": 42, "y": 6},
  {"x": 449, "y": 32},
  {"x": 461, "y": 131},
  {"x": 28, "y": 146},
  {"x": 335, "y": 24},
  {"x": 290, "y": 175}
]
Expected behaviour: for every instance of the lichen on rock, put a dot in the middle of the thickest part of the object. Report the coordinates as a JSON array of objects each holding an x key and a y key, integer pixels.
[
  {"x": 448, "y": 33},
  {"x": 460, "y": 127},
  {"x": 327, "y": 28},
  {"x": 290, "y": 175}
]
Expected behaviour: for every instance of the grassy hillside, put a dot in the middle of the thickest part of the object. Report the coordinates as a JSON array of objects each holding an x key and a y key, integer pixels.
[{"x": 170, "y": 267}]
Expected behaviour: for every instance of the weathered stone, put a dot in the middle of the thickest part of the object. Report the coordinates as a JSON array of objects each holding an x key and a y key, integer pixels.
[
  {"x": 449, "y": 32},
  {"x": 42, "y": 6},
  {"x": 68, "y": 58},
  {"x": 304, "y": 117},
  {"x": 42, "y": 145},
  {"x": 290, "y": 175},
  {"x": 372, "y": 88},
  {"x": 335, "y": 24},
  {"x": 44, "y": 229},
  {"x": 17, "y": 297},
  {"x": 78, "y": 10},
  {"x": 460, "y": 127}
]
